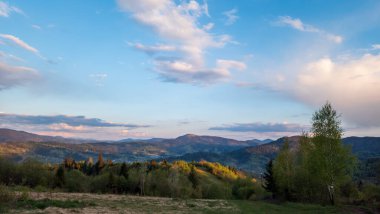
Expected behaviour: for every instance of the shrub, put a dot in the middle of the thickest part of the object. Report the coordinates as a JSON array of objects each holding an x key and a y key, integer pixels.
[
  {"x": 99, "y": 184},
  {"x": 33, "y": 173},
  {"x": 76, "y": 181}
]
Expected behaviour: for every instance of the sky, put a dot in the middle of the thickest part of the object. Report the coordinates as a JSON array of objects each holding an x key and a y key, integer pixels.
[{"x": 244, "y": 69}]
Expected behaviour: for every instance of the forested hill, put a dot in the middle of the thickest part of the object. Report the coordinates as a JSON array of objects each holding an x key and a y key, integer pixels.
[
  {"x": 20, "y": 145},
  {"x": 251, "y": 155},
  {"x": 364, "y": 147},
  {"x": 10, "y": 135},
  {"x": 254, "y": 158}
]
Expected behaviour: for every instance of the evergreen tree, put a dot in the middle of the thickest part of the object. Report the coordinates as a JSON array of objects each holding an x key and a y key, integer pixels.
[
  {"x": 124, "y": 170},
  {"x": 60, "y": 176},
  {"x": 193, "y": 177},
  {"x": 269, "y": 183}
]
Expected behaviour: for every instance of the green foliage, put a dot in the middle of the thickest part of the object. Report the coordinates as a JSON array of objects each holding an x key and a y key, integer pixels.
[
  {"x": 332, "y": 162},
  {"x": 284, "y": 172},
  {"x": 320, "y": 166},
  {"x": 33, "y": 173},
  {"x": 193, "y": 177},
  {"x": 76, "y": 181},
  {"x": 8, "y": 174},
  {"x": 124, "y": 170},
  {"x": 179, "y": 179},
  {"x": 284, "y": 208},
  {"x": 60, "y": 177},
  {"x": 269, "y": 183},
  {"x": 99, "y": 184},
  {"x": 371, "y": 193},
  {"x": 243, "y": 188}
]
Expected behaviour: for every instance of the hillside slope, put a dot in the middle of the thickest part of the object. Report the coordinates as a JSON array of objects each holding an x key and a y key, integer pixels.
[{"x": 254, "y": 158}]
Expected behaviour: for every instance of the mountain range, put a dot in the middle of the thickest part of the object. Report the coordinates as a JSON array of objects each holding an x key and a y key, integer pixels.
[{"x": 250, "y": 155}]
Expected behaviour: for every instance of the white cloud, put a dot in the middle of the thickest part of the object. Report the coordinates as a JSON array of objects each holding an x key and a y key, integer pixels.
[
  {"x": 260, "y": 127},
  {"x": 231, "y": 16},
  {"x": 333, "y": 38},
  {"x": 208, "y": 26},
  {"x": 6, "y": 10},
  {"x": 227, "y": 65},
  {"x": 154, "y": 48},
  {"x": 179, "y": 26},
  {"x": 37, "y": 27},
  {"x": 299, "y": 25},
  {"x": 19, "y": 43},
  {"x": 67, "y": 128},
  {"x": 352, "y": 85},
  {"x": 11, "y": 57},
  {"x": 71, "y": 126},
  {"x": 180, "y": 71},
  {"x": 296, "y": 24},
  {"x": 128, "y": 133},
  {"x": 376, "y": 47},
  {"x": 15, "y": 75}
]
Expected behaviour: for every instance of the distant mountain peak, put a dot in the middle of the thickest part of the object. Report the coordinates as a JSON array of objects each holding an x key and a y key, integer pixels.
[
  {"x": 10, "y": 135},
  {"x": 189, "y": 135}
]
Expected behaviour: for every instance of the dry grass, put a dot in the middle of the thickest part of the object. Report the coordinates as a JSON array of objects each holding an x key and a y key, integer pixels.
[{"x": 108, "y": 203}]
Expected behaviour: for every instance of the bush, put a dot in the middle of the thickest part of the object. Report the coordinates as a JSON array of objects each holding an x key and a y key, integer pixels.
[
  {"x": 33, "y": 173},
  {"x": 8, "y": 172},
  {"x": 243, "y": 188},
  {"x": 40, "y": 188},
  {"x": 76, "y": 181},
  {"x": 99, "y": 184},
  {"x": 371, "y": 193}
]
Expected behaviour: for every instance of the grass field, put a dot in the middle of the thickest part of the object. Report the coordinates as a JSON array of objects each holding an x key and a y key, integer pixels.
[{"x": 102, "y": 203}]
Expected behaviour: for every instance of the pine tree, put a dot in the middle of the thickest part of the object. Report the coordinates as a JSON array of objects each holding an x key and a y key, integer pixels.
[
  {"x": 269, "y": 183},
  {"x": 60, "y": 176},
  {"x": 124, "y": 170},
  {"x": 193, "y": 177}
]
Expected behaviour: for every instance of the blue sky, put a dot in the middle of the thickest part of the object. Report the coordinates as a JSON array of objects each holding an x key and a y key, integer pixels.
[{"x": 162, "y": 68}]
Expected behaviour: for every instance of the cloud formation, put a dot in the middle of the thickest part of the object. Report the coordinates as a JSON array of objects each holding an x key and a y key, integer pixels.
[
  {"x": 61, "y": 120},
  {"x": 154, "y": 49},
  {"x": 376, "y": 47},
  {"x": 181, "y": 59},
  {"x": 6, "y": 10},
  {"x": 352, "y": 85},
  {"x": 16, "y": 75},
  {"x": 17, "y": 41},
  {"x": 231, "y": 16},
  {"x": 299, "y": 25},
  {"x": 261, "y": 127}
]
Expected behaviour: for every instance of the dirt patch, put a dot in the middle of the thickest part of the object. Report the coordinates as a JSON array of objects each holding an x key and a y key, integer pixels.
[{"x": 109, "y": 203}]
